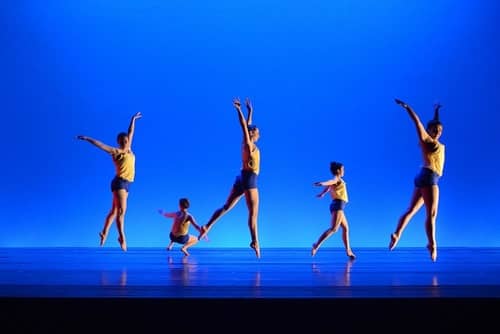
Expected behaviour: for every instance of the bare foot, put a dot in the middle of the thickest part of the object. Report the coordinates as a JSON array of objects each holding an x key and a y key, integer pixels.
[
  {"x": 433, "y": 252},
  {"x": 169, "y": 248},
  {"x": 255, "y": 247},
  {"x": 203, "y": 233},
  {"x": 394, "y": 241},
  {"x": 184, "y": 250},
  {"x": 314, "y": 250},
  {"x": 351, "y": 255},
  {"x": 123, "y": 244},
  {"x": 103, "y": 238}
]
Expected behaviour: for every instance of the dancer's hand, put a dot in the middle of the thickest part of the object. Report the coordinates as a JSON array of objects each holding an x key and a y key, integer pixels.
[
  {"x": 237, "y": 103},
  {"x": 80, "y": 137},
  {"x": 317, "y": 184},
  {"x": 137, "y": 115},
  {"x": 401, "y": 103},
  {"x": 205, "y": 237},
  {"x": 248, "y": 104},
  {"x": 160, "y": 211}
]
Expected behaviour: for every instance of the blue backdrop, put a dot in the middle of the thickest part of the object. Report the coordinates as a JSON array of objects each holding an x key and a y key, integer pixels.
[{"x": 322, "y": 76}]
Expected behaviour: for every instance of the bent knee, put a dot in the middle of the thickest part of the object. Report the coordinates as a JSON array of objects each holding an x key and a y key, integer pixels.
[{"x": 334, "y": 229}]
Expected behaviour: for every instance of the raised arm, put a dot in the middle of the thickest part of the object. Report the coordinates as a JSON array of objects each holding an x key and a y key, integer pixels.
[
  {"x": 131, "y": 128},
  {"x": 249, "y": 111},
  {"x": 243, "y": 122},
  {"x": 97, "y": 143},
  {"x": 422, "y": 133}
]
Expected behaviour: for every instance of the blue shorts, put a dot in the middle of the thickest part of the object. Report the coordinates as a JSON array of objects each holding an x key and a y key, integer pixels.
[
  {"x": 119, "y": 183},
  {"x": 246, "y": 180},
  {"x": 336, "y": 205},
  {"x": 426, "y": 178},
  {"x": 180, "y": 239}
]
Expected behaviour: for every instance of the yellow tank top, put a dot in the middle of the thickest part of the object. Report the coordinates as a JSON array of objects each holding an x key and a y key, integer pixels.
[
  {"x": 253, "y": 161},
  {"x": 435, "y": 160},
  {"x": 181, "y": 224},
  {"x": 125, "y": 165},
  {"x": 339, "y": 191}
]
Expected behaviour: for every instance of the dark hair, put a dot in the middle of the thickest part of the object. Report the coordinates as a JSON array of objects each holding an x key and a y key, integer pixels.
[
  {"x": 184, "y": 203},
  {"x": 121, "y": 135},
  {"x": 435, "y": 121},
  {"x": 335, "y": 166},
  {"x": 252, "y": 127}
]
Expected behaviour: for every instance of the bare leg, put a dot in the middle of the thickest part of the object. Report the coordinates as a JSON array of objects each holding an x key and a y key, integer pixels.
[
  {"x": 334, "y": 223},
  {"x": 231, "y": 201},
  {"x": 416, "y": 203},
  {"x": 431, "y": 199},
  {"x": 252, "y": 199},
  {"x": 109, "y": 220},
  {"x": 191, "y": 241},
  {"x": 120, "y": 219},
  {"x": 345, "y": 237},
  {"x": 170, "y": 245}
]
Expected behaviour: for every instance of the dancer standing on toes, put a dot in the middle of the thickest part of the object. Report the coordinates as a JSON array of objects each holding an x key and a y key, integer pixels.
[
  {"x": 246, "y": 182},
  {"x": 179, "y": 232},
  {"x": 124, "y": 160},
  {"x": 338, "y": 191},
  {"x": 426, "y": 189}
]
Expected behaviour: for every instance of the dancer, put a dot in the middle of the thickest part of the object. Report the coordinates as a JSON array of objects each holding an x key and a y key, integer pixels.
[
  {"x": 246, "y": 182},
  {"x": 179, "y": 232},
  {"x": 124, "y": 160},
  {"x": 426, "y": 189},
  {"x": 338, "y": 191}
]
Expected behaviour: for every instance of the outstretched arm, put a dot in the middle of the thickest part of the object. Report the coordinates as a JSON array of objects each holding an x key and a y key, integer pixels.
[
  {"x": 422, "y": 133},
  {"x": 326, "y": 185},
  {"x": 167, "y": 214},
  {"x": 131, "y": 128},
  {"x": 243, "y": 123},
  {"x": 97, "y": 143},
  {"x": 323, "y": 192},
  {"x": 249, "y": 111}
]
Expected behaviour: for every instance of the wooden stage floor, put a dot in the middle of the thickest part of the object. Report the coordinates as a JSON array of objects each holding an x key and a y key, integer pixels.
[{"x": 379, "y": 284}]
